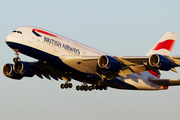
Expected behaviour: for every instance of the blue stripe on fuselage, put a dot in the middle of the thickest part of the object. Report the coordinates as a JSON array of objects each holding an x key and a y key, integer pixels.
[{"x": 57, "y": 63}]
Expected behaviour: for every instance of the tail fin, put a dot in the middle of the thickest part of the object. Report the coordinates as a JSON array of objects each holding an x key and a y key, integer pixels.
[{"x": 165, "y": 44}]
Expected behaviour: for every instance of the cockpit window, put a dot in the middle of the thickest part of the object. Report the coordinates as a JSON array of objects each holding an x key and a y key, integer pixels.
[{"x": 18, "y": 31}]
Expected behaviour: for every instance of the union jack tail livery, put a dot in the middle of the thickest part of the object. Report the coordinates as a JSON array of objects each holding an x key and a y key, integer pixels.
[{"x": 165, "y": 45}]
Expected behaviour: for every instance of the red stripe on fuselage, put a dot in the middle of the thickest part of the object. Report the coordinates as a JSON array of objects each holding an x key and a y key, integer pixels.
[
  {"x": 155, "y": 74},
  {"x": 167, "y": 44},
  {"x": 41, "y": 31}
]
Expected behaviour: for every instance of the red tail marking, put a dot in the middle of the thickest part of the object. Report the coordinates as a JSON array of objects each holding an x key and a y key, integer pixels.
[
  {"x": 155, "y": 74},
  {"x": 167, "y": 44},
  {"x": 44, "y": 32}
]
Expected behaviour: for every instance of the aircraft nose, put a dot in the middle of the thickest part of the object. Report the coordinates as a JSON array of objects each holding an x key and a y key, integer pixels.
[{"x": 9, "y": 37}]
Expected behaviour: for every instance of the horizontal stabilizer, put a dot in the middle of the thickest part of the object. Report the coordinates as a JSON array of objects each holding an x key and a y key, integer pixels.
[{"x": 166, "y": 82}]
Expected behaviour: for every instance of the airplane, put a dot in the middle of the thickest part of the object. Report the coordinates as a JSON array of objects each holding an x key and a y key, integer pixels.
[{"x": 62, "y": 58}]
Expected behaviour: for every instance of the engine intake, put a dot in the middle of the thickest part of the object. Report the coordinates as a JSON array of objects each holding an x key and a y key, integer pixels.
[
  {"x": 109, "y": 63},
  {"x": 24, "y": 68},
  {"x": 161, "y": 62},
  {"x": 9, "y": 72}
]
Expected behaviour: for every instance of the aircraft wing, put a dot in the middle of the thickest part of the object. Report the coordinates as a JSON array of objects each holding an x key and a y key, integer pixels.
[
  {"x": 166, "y": 82},
  {"x": 89, "y": 64},
  {"x": 175, "y": 60},
  {"x": 137, "y": 60},
  {"x": 146, "y": 61}
]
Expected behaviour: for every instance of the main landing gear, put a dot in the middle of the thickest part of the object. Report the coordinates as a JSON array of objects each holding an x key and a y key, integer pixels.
[
  {"x": 66, "y": 85},
  {"x": 85, "y": 87},
  {"x": 90, "y": 88}
]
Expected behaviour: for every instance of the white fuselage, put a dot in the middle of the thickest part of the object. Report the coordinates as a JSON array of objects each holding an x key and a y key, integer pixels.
[{"x": 58, "y": 46}]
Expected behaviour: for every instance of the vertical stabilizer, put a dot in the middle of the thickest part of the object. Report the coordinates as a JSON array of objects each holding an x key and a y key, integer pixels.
[{"x": 165, "y": 44}]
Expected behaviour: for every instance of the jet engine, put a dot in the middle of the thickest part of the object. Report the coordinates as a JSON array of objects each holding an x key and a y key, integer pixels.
[
  {"x": 9, "y": 72},
  {"x": 24, "y": 68},
  {"x": 109, "y": 63},
  {"x": 161, "y": 62}
]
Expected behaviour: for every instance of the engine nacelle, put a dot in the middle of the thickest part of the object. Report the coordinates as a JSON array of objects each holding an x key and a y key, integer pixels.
[
  {"x": 9, "y": 72},
  {"x": 160, "y": 62},
  {"x": 24, "y": 68},
  {"x": 109, "y": 63}
]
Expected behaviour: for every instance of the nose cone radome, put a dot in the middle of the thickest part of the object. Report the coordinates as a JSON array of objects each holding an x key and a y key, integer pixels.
[
  {"x": 9, "y": 37},
  {"x": 10, "y": 40}
]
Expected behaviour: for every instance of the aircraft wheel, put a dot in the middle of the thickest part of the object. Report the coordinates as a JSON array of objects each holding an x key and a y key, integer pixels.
[
  {"x": 93, "y": 87},
  {"x": 16, "y": 60},
  {"x": 62, "y": 86},
  {"x": 66, "y": 86},
  {"x": 105, "y": 87},
  {"x": 90, "y": 88},
  {"x": 70, "y": 85},
  {"x": 19, "y": 60},
  {"x": 97, "y": 87},
  {"x": 82, "y": 87},
  {"x": 101, "y": 88},
  {"x": 86, "y": 87},
  {"x": 77, "y": 87}
]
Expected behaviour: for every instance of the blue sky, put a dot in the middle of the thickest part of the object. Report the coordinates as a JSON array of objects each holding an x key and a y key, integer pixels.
[{"x": 117, "y": 27}]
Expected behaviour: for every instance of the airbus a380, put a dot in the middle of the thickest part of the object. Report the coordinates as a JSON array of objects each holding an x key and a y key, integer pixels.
[{"x": 62, "y": 58}]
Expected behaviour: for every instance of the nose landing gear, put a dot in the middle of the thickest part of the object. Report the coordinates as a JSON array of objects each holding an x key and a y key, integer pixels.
[{"x": 17, "y": 59}]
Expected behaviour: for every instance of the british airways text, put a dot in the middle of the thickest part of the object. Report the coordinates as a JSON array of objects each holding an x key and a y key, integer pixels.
[
  {"x": 51, "y": 41},
  {"x": 69, "y": 48},
  {"x": 65, "y": 46}
]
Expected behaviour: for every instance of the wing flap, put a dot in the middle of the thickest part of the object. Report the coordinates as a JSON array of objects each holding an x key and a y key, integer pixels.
[{"x": 175, "y": 60}]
